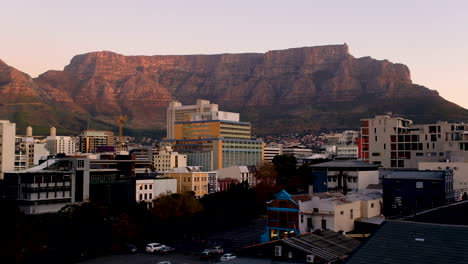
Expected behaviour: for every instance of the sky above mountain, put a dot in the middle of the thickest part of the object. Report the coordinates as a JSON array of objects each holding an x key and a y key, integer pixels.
[{"x": 429, "y": 36}]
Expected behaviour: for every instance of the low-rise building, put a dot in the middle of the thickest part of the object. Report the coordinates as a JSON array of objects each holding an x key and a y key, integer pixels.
[
  {"x": 290, "y": 215},
  {"x": 238, "y": 174},
  {"x": 148, "y": 189},
  {"x": 50, "y": 186},
  {"x": 190, "y": 179},
  {"x": 343, "y": 175},
  {"x": 460, "y": 175},
  {"x": 409, "y": 191},
  {"x": 271, "y": 151}
]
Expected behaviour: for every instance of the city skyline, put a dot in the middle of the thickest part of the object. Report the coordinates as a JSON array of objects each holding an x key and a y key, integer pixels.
[{"x": 424, "y": 35}]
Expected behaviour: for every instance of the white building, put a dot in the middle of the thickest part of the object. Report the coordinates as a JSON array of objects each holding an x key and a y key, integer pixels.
[
  {"x": 7, "y": 146},
  {"x": 40, "y": 151},
  {"x": 60, "y": 144},
  {"x": 177, "y": 112},
  {"x": 149, "y": 189},
  {"x": 272, "y": 150},
  {"x": 238, "y": 173},
  {"x": 335, "y": 211},
  {"x": 459, "y": 171},
  {"x": 347, "y": 151},
  {"x": 166, "y": 159}
]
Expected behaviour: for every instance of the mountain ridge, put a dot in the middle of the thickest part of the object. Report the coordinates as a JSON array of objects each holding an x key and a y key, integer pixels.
[{"x": 307, "y": 88}]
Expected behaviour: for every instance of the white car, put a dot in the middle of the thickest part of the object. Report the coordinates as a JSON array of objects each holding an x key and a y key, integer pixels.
[
  {"x": 154, "y": 247},
  {"x": 227, "y": 257}
]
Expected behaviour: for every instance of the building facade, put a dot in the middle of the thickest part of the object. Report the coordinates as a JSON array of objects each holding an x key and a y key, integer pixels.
[
  {"x": 7, "y": 146},
  {"x": 190, "y": 179},
  {"x": 459, "y": 171},
  {"x": 408, "y": 191},
  {"x": 177, "y": 112},
  {"x": 165, "y": 159},
  {"x": 394, "y": 142},
  {"x": 238, "y": 174},
  {"x": 94, "y": 141},
  {"x": 149, "y": 189},
  {"x": 50, "y": 186}
]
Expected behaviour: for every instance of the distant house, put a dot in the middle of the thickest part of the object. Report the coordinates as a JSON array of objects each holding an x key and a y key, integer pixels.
[
  {"x": 409, "y": 191},
  {"x": 236, "y": 174},
  {"x": 399, "y": 242}
]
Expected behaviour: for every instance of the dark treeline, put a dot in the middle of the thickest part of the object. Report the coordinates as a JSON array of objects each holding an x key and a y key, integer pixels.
[{"x": 86, "y": 230}]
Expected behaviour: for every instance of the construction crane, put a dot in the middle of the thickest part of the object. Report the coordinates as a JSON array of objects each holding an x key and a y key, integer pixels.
[{"x": 121, "y": 122}]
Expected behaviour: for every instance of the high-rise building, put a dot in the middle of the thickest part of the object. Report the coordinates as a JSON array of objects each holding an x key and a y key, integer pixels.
[
  {"x": 395, "y": 142},
  {"x": 177, "y": 112},
  {"x": 93, "y": 141},
  {"x": 60, "y": 144},
  {"x": 7, "y": 146},
  {"x": 28, "y": 151},
  {"x": 215, "y": 139}
]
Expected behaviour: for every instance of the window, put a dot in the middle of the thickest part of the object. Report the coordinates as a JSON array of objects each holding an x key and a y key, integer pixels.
[
  {"x": 151, "y": 196},
  {"x": 141, "y": 196},
  {"x": 302, "y": 218},
  {"x": 146, "y": 196},
  {"x": 151, "y": 187},
  {"x": 316, "y": 210},
  {"x": 342, "y": 213},
  {"x": 351, "y": 216},
  {"x": 372, "y": 205},
  {"x": 376, "y": 154},
  {"x": 80, "y": 163},
  {"x": 324, "y": 224},
  {"x": 419, "y": 185},
  {"x": 146, "y": 187}
]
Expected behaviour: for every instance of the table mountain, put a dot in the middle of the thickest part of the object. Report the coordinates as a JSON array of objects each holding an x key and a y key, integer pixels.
[{"x": 279, "y": 91}]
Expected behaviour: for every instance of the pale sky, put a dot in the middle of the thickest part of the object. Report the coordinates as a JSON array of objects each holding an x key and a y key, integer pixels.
[{"x": 431, "y": 37}]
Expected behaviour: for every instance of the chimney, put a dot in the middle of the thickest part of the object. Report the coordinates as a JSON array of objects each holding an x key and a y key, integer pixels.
[
  {"x": 53, "y": 131},
  {"x": 29, "y": 131}
]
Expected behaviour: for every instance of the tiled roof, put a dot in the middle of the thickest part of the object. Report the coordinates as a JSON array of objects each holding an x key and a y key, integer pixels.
[{"x": 399, "y": 242}]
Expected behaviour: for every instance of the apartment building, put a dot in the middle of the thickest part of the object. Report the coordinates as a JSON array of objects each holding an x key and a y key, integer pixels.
[
  {"x": 394, "y": 142},
  {"x": 7, "y": 146}
]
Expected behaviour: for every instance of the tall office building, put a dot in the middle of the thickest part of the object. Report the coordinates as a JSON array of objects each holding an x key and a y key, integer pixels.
[
  {"x": 176, "y": 112},
  {"x": 93, "y": 141},
  {"x": 395, "y": 142},
  {"x": 215, "y": 139},
  {"x": 7, "y": 146}
]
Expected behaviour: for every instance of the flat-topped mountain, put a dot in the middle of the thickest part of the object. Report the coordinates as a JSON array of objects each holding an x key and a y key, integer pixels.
[{"x": 279, "y": 91}]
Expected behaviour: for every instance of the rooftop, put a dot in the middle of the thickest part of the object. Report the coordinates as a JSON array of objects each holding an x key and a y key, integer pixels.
[
  {"x": 401, "y": 242},
  {"x": 345, "y": 164},
  {"x": 414, "y": 174}
]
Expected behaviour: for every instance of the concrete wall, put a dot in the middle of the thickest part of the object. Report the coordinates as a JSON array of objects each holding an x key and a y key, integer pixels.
[{"x": 367, "y": 177}]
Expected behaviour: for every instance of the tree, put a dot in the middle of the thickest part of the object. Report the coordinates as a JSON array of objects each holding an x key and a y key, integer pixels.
[
  {"x": 286, "y": 167},
  {"x": 266, "y": 174}
]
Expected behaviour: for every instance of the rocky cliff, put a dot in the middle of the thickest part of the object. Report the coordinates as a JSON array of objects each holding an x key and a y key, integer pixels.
[{"x": 279, "y": 91}]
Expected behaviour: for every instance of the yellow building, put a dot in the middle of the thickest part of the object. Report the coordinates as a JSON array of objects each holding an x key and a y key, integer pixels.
[{"x": 190, "y": 179}]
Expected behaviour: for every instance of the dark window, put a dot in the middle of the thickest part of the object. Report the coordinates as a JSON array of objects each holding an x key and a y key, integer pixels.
[
  {"x": 316, "y": 210},
  {"x": 324, "y": 224}
]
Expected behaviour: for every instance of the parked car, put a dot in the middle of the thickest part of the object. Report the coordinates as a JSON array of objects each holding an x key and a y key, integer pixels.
[
  {"x": 164, "y": 262},
  {"x": 218, "y": 250},
  {"x": 166, "y": 250},
  {"x": 154, "y": 247},
  {"x": 131, "y": 248},
  {"x": 227, "y": 257}
]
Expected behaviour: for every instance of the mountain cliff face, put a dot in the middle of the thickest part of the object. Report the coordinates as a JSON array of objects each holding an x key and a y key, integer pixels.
[{"x": 279, "y": 91}]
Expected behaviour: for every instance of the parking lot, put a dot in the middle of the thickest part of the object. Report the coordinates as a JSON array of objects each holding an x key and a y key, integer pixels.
[{"x": 144, "y": 258}]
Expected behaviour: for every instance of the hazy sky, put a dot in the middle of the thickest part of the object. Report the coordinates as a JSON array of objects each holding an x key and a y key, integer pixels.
[{"x": 431, "y": 37}]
